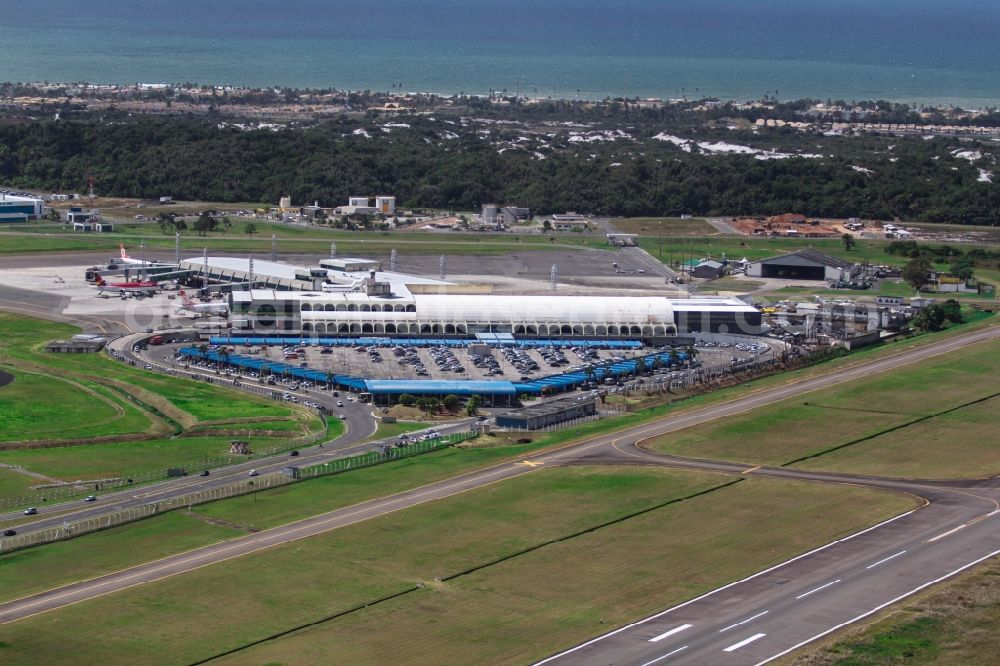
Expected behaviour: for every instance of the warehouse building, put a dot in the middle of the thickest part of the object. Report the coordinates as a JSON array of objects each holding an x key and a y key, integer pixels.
[
  {"x": 547, "y": 414},
  {"x": 807, "y": 264},
  {"x": 20, "y": 208}
]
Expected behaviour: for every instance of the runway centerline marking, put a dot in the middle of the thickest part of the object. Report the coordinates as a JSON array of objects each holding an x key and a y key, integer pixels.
[
  {"x": 752, "y": 617},
  {"x": 817, "y": 589},
  {"x": 883, "y": 560},
  {"x": 669, "y": 654},
  {"x": 745, "y": 641},
  {"x": 667, "y": 634}
]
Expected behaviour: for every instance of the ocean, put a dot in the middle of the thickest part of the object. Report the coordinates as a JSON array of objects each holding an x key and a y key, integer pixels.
[{"x": 912, "y": 51}]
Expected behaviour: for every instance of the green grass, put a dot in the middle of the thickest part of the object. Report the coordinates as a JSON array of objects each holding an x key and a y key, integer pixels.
[
  {"x": 102, "y": 552},
  {"x": 15, "y": 484},
  {"x": 295, "y": 239},
  {"x": 46, "y": 407},
  {"x": 514, "y": 610},
  {"x": 125, "y": 458},
  {"x": 818, "y": 421},
  {"x": 664, "y": 226},
  {"x": 386, "y": 430}
]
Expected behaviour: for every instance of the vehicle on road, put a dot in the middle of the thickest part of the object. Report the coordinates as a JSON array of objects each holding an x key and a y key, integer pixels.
[
  {"x": 9, "y": 532},
  {"x": 254, "y": 472},
  {"x": 204, "y": 473},
  {"x": 90, "y": 498},
  {"x": 294, "y": 454},
  {"x": 30, "y": 511}
]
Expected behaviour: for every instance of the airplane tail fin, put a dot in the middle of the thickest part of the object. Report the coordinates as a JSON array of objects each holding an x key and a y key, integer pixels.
[
  {"x": 99, "y": 281},
  {"x": 184, "y": 298},
  {"x": 121, "y": 246}
]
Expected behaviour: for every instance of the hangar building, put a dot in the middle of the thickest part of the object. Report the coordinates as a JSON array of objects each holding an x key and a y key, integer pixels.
[{"x": 807, "y": 264}]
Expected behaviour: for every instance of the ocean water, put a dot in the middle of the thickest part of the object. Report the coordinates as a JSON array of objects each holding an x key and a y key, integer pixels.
[{"x": 914, "y": 51}]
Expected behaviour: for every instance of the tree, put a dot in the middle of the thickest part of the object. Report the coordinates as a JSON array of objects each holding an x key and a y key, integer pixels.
[
  {"x": 204, "y": 224},
  {"x": 915, "y": 272},
  {"x": 250, "y": 229},
  {"x": 451, "y": 403},
  {"x": 962, "y": 269},
  {"x": 848, "y": 240},
  {"x": 165, "y": 221},
  {"x": 407, "y": 400},
  {"x": 931, "y": 318},
  {"x": 952, "y": 311},
  {"x": 472, "y": 405},
  {"x": 640, "y": 366},
  {"x": 226, "y": 224},
  {"x": 547, "y": 225},
  {"x": 180, "y": 224}
]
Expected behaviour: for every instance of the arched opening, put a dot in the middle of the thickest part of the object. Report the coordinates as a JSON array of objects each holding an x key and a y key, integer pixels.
[
  {"x": 659, "y": 330},
  {"x": 531, "y": 330},
  {"x": 601, "y": 330},
  {"x": 425, "y": 328},
  {"x": 306, "y": 307},
  {"x": 399, "y": 308},
  {"x": 635, "y": 330},
  {"x": 411, "y": 308},
  {"x": 343, "y": 328},
  {"x": 355, "y": 328},
  {"x": 566, "y": 329},
  {"x": 352, "y": 308},
  {"x": 647, "y": 330},
  {"x": 340, "y": 307},
  {"x": 379, "y": 328},
  {"x": 449, "y": 329},
  {"x": 365, "y": 307},
  {"x": 390, "y": 328},
  {"x": 613, "y": 330},
  {"x": 519, "y": 330},
  {"x": 436, "y": 328},
  {"x": 461, "y": 329},
  {"x": 578, "y": 330},
  {"x": 588, "y": 330},
  {"x": 376, "y": 308},
  {"x": 328, "y": 308},
  {"x": 306, "y": 327}
]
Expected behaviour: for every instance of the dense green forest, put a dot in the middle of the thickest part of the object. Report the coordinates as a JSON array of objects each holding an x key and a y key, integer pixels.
[{"x": 460, "y": 163}]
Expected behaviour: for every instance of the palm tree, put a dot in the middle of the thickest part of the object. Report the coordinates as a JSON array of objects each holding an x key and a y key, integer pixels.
[
  {"x": 329, "y": 379},
  {"x": 640, "y": 366},
  {"x": 692, "y": 353}
]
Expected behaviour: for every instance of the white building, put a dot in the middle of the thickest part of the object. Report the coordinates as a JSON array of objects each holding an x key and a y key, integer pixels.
[{"x": 20, "y": 208}]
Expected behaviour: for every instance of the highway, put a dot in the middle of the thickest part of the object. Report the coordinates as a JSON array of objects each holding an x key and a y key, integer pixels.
[{"x": 748, "y": 621}]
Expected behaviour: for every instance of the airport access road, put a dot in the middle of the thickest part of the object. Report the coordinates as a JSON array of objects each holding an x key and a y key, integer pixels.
[{"x": 941, "y": 520}]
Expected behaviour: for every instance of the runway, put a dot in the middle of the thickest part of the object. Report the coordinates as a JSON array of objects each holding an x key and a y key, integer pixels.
[{"x": 748, "y": 621}]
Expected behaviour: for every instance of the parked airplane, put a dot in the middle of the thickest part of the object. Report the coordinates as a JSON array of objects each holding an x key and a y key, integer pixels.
[
  {"x": 130, "y": 287},
  {"x": 203, "y": 308},
  {"x": 125, "y": 259}
]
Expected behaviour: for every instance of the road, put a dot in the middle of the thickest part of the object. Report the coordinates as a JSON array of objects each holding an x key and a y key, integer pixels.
[{"x": 786, "y": 605}]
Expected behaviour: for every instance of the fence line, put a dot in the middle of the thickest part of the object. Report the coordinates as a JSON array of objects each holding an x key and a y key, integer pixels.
[{"x": 383, "y": 454}]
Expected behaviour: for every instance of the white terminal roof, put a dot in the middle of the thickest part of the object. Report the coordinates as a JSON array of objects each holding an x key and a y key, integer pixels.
[{"x": 502, "y": 308}]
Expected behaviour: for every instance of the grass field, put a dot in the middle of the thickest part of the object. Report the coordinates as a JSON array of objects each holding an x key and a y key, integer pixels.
[
  {"x": 386, "y": 430},
  {"x": 14, "y": 484},
  {"x": 954, "y": 623},
  {"x": 28, "y": 414},
  {"x": 295, "y": 239},
  {"x": 509, "y": 611},
  {"x": 813, "y": 423},
  {"x": 72, "y": 396},
  {"x": 664, "y": 226}
]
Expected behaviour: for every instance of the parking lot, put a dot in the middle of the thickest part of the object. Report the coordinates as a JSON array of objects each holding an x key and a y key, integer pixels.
[{"x": 475, "y": 362}]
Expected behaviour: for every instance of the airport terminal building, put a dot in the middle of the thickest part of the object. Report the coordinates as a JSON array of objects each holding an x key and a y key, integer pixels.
[
  {"x": 339, "y": 298},
  {"x": 318, "y": 313}
]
